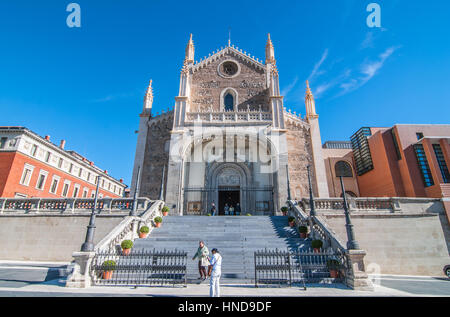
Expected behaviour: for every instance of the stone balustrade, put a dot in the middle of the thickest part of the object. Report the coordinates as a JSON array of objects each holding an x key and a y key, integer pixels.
[
  {"x": 380, "y": 205},
  {"x": 351, "y": 260},
  {"x": 69, "y": 205},
  {"x": 230, "y": 116}
]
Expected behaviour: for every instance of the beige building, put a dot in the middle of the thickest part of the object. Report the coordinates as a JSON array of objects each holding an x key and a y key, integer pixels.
[{"x": 229, "y": 139}]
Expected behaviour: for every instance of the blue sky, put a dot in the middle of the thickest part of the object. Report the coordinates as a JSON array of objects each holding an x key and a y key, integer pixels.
[{"x": 87, "y": 85}]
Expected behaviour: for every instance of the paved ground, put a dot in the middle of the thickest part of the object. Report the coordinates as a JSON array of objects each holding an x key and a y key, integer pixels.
[{"x": 34, "y": 279}]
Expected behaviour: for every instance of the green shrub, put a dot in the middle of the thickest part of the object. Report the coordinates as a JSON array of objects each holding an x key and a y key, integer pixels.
[
  {"x": 317, "y": 244},
  {"x": 109, "y": 265},
  {"x": 333, "y": 264},
  {"x": 303, "y": 229},
  {"x": 249, "y": 215},
  {"x": 291, "y": 219},
  {"x": 144, "y": 229},
  {"x": 127, "y": 244},
  {"x": 209, "y": 215},
  {"x": 284, "y": 209},
  {"x": 158, "y": 220},
  {"x": 165, "y": 209}
]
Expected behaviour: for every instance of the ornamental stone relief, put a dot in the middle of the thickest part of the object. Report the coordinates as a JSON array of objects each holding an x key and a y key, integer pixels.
[{"x": 229, "y": 177}]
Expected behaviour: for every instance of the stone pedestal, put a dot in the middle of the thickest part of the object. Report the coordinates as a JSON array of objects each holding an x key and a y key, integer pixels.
[
  {"x": 81, "y": 278},
  {"x": 357, "y": 278}
]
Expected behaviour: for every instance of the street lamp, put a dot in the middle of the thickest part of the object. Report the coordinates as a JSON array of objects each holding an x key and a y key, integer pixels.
[
  {"x": 288, "y": 184},
  {"x": 88, "y": 245},
  {"x": 136, "y": 193},
  {"x": 342, "y": 171},
  {"x": 312, "y": 212}
]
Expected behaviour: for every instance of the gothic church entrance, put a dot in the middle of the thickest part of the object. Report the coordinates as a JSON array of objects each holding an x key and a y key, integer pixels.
[{"x": 229, "y": 196}]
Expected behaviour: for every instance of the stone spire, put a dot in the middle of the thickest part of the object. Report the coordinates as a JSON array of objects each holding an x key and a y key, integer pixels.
[
  {"x": 270, "y": 51},
  {"x": 190, "y": 51},
  {"x": 148, "y": 98},
  {"x": 310, "y": 103}
]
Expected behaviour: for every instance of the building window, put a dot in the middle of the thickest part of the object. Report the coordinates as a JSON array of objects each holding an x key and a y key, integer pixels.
[
  {"x": 419, "y": 136},
  {"x": 80, "y": 172},
  {"x": 47, "y": 157},
  {"x": 70, "y": 168},
  {"x": 60, "y": 163},
  {"x": 85, "y": 192},
  {"x": 3, "y": 143},
  {"x": 343, "y": 169},
  {"x": 75, "y": 191},
  {"x": 361, "y": 151},
  {"x": 41, "y": 180},
  {"x": 397, "y": 148},
  {"x": 423, "y": 165},
  {"x": 442, "y": 164},
  {"x": 26, "y": 175},
  {"x": 34, "y": 150},
  {"x": 66, "y": 189},
  {"x": 229, "y": 102},
  {"x": 89, "y": 177},
  {"x": 54, "y": 186}
]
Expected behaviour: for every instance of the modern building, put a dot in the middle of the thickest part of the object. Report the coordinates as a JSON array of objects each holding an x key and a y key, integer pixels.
[
  {"x": 229, "y": 139},
  {"x": 338, "y": 156},
  {"x": 32, "y": 166}
]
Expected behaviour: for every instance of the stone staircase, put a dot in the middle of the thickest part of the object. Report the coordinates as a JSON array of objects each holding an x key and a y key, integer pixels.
[{"x": 236, "y": 238}]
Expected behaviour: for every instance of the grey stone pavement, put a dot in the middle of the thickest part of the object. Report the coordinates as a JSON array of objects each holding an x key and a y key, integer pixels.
[{"x": 25, "y": 279}]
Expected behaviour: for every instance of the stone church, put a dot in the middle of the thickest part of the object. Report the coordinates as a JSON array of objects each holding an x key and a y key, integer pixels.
[{"x": 229, "y": 139}]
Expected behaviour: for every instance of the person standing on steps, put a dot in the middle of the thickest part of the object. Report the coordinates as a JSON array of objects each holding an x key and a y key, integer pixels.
[
  {"x": 203, "y": 260},
  {"x": 231, "y": 210},
  {"x": 226, "y": 209},
  {"x": 213, "y": 209},
  {"x": 215, "y": 271},
  {"x": 238, "y": 209}
]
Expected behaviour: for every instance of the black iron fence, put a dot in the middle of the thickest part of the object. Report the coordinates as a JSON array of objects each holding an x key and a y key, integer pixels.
[
  {"x": 154, "y": 268},
  {"x": 287, "y": 268}
]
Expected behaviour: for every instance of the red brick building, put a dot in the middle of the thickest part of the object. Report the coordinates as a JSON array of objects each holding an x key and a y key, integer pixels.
[
  {"x": 403, "y": 161},
  {"x": 32, "y": 166}
]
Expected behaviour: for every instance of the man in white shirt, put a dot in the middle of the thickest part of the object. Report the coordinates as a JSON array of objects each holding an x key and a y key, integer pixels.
[{"x": 215, "y": 273}]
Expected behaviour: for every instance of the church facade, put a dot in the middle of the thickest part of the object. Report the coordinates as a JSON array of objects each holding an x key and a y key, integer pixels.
[{"x": 229, "y": 139}]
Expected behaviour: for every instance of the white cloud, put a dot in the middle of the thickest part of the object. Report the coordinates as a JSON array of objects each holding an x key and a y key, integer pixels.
[
  {"x": 316, "y": 71},
  {"x": 288, "y": 88}
]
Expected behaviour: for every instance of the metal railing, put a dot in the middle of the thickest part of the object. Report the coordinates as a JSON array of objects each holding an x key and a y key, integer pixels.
[
  {"x": 154, "y": 268},
  {"x": 287, "y": 268}
]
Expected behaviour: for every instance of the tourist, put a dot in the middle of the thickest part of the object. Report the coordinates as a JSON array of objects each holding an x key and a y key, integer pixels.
[
  {"x": 215, "y": 271},
  {"x": 203, "y": 260},
  {"x": 238, "y": 209},
  {"x": 213, "y": 209},
  {"x": 231, "y": 210},
  {"x": 227, "y": 209}
]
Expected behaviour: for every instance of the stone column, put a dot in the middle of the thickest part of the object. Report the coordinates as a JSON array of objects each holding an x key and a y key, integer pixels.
[
  {"x": 356, "y": 275},
  {"x": 319, "y": 163},
  {"x": 80, "y": 277}
]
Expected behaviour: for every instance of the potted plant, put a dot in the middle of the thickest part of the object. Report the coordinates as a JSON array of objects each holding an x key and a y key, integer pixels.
[
  {"x": 143, "y": 232},
  {"x": 209, "y": 215},
  {"x": 165, "y": 211},
  {"x": 291, "y": 221},
  {"x": 303, "y": 231},
  {"x": 126, "y": 246},
  {"x": 108, "y": 267},
  {"x": 317, "y": 245},
  {"x": 249, "y": 215},
  {"x": 333, "y": 266},
  {"x": 284, "y": 210},
  {"x": 158, "y": 222}
]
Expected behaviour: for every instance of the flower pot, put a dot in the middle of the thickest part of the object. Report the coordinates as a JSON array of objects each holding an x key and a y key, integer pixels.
[
  {"x": 165, "y": 214},
  {"x": 303, "y": 235},
  {"x": 316, "y": 250},
  {"x": 126, "y": 251},
  {"x": 143, "y": 235},
  {"x": 284, "y": 213},
  {"x": 158, "y": 225},
  {"x": 333, "y": 273},
  {"x": 107, "y": 275}
]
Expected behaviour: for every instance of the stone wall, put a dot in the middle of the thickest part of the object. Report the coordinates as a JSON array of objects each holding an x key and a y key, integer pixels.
[
  {"x": 156, "y": 155},
  {"x": 299, "y": 157},
  {"x": 250, "y": 84},
  {"x": 400, "y": 244},
  {"x": 49, "y": 238}
]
